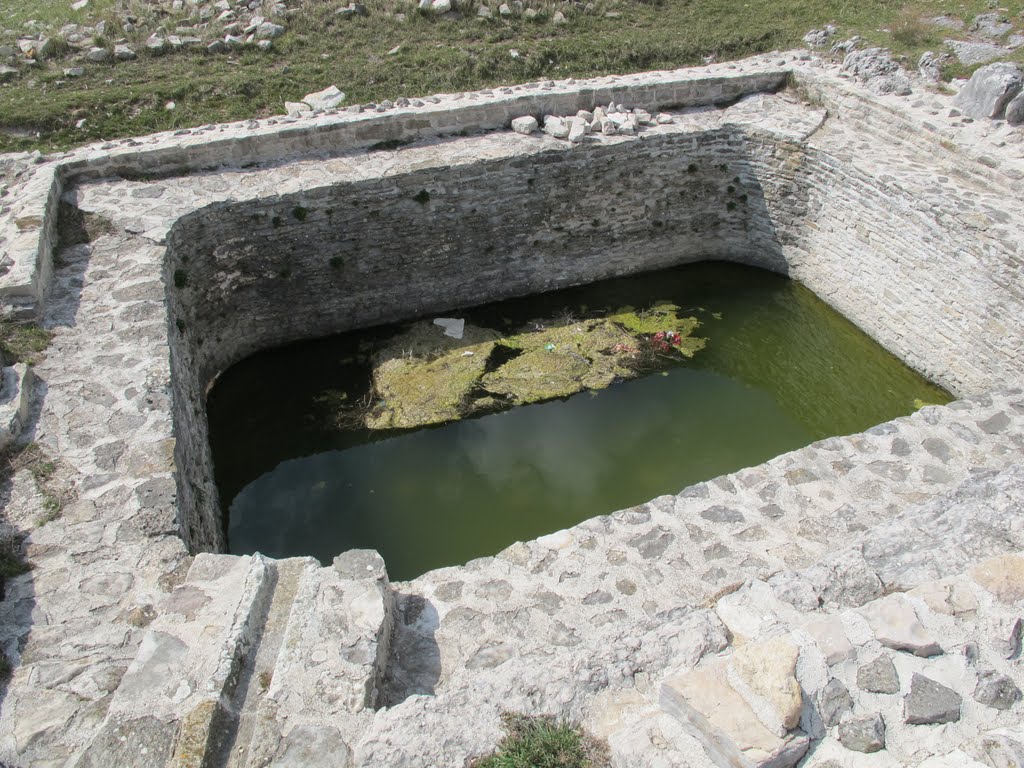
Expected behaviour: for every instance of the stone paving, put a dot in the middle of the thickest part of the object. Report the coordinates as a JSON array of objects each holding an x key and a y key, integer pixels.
[{"x": 854, "y": 603}]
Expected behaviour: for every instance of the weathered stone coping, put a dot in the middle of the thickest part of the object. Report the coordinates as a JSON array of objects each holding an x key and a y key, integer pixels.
[{"x": 278, "y": 140}]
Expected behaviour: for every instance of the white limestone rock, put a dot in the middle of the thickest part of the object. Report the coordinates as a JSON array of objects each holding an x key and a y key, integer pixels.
[
  {"x": 556, "y": 127},
  {"x": 818, "y": 38},
  {"x": 525, "y": 125},
  {"x": 764, "y": 674},
  {"x": 297, "y": 109},
  {"x": 895, "y": 625},
  {"x": 711, "y": 711},
  {"x": 970, "y": 53},
  {"x": 577, "y": 130},
  {"x": 990, "y": 90},
  {"x": 329, "y": 98}
]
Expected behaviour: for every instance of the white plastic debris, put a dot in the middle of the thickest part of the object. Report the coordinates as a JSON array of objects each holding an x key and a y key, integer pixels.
[{"x": 453, "y": 326}]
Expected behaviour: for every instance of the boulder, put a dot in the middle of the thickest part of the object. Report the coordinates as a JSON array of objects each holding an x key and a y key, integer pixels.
[
  {"x": 1015, "y": 110},
  {"x": 990, "y": 90},
  {"x": 969, "y": 53}
]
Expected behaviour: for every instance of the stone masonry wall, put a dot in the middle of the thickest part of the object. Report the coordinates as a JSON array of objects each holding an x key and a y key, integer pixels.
[
  {"x": 921, "y": 277},
  {"x": 934, "y": 283}
]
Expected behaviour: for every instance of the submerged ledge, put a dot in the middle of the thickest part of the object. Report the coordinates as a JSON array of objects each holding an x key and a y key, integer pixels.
[{"x": 121, "y": 639}]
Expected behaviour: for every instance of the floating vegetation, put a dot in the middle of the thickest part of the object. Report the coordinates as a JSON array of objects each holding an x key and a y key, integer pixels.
[{"x": 423, "y": 376}]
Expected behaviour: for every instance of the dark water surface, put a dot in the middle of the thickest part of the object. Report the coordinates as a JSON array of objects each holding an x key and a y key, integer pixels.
[{"x": 780, "y": 370}]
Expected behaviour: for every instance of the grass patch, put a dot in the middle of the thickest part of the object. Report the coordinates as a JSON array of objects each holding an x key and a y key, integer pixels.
[
  {"x": 42, "y": 107},
  {"x": 45, "y": 472},
  {"x": 543, "y": 742},
  {"x": 23, "y": 342}
]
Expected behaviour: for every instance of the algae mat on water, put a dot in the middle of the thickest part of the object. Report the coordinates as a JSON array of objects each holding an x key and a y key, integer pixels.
[{"x": 426, "y": 376}]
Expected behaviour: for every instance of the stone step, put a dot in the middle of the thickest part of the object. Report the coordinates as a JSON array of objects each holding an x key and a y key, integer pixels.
[
  {"x": 172, "y": 706},
  {"x": 258, "y": 668},
  {"x": 16, "y": 384},
  {"x": 328, "y": 674}
]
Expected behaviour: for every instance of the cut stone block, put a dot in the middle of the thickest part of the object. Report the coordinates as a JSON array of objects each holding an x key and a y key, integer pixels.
[
  {"x": 950, "y": 597},
  {"x": 831, "y": 639},
  {"x": 895, "y": 625},
  {"x": 1003, "y": 576},
  {"x": 732, "y": 734},
  {"x": 765, "y": 675}
]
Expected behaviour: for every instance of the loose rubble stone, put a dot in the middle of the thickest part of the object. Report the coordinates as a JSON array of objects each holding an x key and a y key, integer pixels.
[
  {"x": 97, "y": 55},
  {"x": 329, "y": 98},
  {"x": 524, "y": 125},
  {"x": 834, "y": 701},
  {"x": 577, "y": 130},
  {"x": 556, "y": 127},
  {"x": 996, "y": 690},
  {"x": 123, "y": 53},
  {"x": 879, "y": 676},
  {"x": 863, "y": 734},
  {"x": 269, "y": 31},
  {"x": 930, "y": 702},
  {"x": 819, "y": 38}
]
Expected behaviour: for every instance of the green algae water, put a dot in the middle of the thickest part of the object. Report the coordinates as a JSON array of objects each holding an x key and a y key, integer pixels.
[{"x": 779, "y": 370}]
